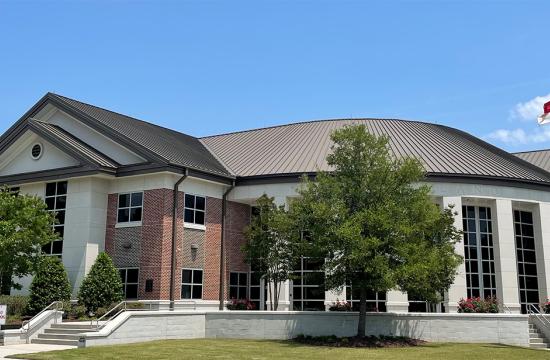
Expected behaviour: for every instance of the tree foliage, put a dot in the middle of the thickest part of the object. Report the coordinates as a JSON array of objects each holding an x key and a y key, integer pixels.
[
  {"x": 271, "y": 245},
  {"x": 25, "y": 225},
  {"x": 375, "y": 222},
  {"x": 102, "y": 286},
  {"x": 49, "y": 284}
]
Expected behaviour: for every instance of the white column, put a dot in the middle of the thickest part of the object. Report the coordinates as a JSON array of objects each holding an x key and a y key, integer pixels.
[
  {"x": 284, "y": 297},
  {"x": 397, "y": 301},
  {"x": 505, "y": 255},
  {"x": 541, "y": 219},
  {"x": 458, "y": 288},
  {"x": 332, "y": 296}
]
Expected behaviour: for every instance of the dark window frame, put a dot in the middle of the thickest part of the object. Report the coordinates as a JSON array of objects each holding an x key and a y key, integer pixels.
[{"x": 129, "y": 207}]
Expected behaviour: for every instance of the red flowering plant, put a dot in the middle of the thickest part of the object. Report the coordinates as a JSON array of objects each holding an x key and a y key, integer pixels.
[
  {"x": 340, "y": 306},
  {"x": 478, "y": 305},
  {"x": 241, "y": 304},
  {"x": 545, "y": 306}
]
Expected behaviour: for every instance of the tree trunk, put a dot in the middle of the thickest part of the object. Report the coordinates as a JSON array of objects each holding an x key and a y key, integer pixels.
[
  {"x": 270, "y": 295},
  {"x": 275, "y": 295},
  {"x": 362, "y": 313}
]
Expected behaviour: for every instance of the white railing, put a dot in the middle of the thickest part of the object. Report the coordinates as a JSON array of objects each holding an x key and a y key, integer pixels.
[
  {"x": 56, "y": 306},
  {"x": 535, "y": 311},
  {"x": 102, "y": 321}
]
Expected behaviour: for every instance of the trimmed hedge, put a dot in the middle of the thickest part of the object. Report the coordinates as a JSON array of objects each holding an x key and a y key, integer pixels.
[{"x": 17, "y": 304}]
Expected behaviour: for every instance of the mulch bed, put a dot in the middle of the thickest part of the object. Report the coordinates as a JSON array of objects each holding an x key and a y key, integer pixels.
[{"x": 354, "y": 341}]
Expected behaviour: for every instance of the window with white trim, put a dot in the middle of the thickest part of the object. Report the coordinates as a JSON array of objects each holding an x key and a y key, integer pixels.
[
  {"x": 130, "y": 207},
  {"x": 526, "y": 260},
  {"x": 308, "y": 286},
  {"x": 238, "y": 285},
  {"x": 130, "y": 282},
  {"x": 191, "y": 284},
  {"x": 56, "y": 202},
  {"x": 376, "y": 301},
  {"x": 479, "y": 255},
  {"x": 195, "y": 208}
]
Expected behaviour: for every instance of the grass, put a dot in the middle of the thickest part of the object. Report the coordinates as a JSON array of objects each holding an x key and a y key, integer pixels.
[{"x": 263, "y": 349}]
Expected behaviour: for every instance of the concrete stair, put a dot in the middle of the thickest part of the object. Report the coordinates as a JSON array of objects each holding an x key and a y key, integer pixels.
[
  {"x": 537, "y": 339},
  {"x": 63, "y": 334}
]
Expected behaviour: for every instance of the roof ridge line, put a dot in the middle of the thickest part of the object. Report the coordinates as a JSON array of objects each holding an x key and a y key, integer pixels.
[
  {"x": 530, "y": 151},
  {"x": 121, "y": 114},
  {"x": 320, "y": 120}
]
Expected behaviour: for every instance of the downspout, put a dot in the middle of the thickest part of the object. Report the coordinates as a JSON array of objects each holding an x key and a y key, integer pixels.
[
  {"x": 222, "y": 250},
  {"x": 174, "y": 237}
]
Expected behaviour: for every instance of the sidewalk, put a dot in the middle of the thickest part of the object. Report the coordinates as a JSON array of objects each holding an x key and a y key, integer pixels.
[{"x": 29, "y": 348}]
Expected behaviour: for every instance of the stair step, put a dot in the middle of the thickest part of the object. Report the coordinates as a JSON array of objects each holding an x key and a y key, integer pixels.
[
  {"x": 537, "y": 340},
  {"x": 55, "y": 342},
  {"x": 67, "y": 331},
  {"x": 59, "y": 336},
  {"x": 86, "y": 325},
  {"x": 538, "y": 346}
]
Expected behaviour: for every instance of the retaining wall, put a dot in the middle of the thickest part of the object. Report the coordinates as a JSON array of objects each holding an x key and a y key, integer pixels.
[{"x": 134, "y": 326}]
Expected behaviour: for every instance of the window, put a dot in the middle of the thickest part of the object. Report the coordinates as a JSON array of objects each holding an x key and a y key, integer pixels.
[
  {"x": 36, "y": 151},
  {"x": 130, "y": 281},
  {"x": 308, "y": 288},
  {"x": 419, "y": 304},
  {"x": 130, "y": 207},
  {"x": 56, "y": 201},
  {"x": 478, "y": 251},
  {"x": 256, "y": 290},
  {"x": 191, "y": 284},
  {"x": 238, "y": 285},
  {"x": 195, "y": 207},
  {"x": 376, "y": 301},
  {"x": 526, "y": 260}
]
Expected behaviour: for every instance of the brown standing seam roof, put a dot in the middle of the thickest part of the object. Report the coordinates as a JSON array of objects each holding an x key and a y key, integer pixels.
[
  {"x": 303, "y": 147},
  {"x": 172, "y": 146},
  {"x": 540, "y": 158},
  {"x": 75, "y": 144}
]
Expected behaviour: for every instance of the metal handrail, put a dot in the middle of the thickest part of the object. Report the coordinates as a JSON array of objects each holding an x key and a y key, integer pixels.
[
  {"x": 121, "y": 307},
  {"x": 56, "y": 305},
  {"x": 535, "y": 311}
]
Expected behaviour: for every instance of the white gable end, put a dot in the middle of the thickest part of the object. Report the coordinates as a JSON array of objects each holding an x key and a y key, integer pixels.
[
  {"x": 89, "y": 136},
  {"x": 18, "y": 159}
]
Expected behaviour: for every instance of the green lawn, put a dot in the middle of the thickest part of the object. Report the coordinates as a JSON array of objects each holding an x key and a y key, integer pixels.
[{"x": 251, "y": 349}]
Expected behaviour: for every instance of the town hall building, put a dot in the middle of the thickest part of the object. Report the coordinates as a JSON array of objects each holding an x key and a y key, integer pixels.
[{"x": 170, "y": 208}]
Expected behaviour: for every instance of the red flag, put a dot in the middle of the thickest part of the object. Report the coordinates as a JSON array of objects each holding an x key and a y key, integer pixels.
[{"x": 547, "y": 107}]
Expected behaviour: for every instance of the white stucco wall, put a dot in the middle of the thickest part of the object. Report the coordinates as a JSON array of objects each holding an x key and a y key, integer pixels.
[{"x": 17, "y": 159}]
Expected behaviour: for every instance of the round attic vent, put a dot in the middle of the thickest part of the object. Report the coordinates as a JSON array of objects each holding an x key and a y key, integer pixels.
[{"x": 36, "y": 151}]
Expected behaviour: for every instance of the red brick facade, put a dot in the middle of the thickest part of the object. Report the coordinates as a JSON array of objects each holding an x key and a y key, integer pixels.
[{"x": 155, "y": 242}]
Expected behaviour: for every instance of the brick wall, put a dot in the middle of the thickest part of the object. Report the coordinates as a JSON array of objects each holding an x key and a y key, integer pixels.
[{"x": 150, "y": 244}]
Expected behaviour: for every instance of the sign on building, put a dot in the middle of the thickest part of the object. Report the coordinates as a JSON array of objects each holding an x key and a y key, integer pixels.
[{"x": 3, "y": 314}]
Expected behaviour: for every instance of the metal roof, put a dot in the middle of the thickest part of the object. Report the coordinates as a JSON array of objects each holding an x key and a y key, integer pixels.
[
  {"x": 172, "y": 146},
  {"x": 303, "y": 147},
  {"x": 60, "y": 136},
  {"x": 540, "y": 158}
]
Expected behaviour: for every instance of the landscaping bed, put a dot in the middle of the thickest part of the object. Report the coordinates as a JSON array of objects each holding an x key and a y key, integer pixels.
[{"x": 355, "y": 341}]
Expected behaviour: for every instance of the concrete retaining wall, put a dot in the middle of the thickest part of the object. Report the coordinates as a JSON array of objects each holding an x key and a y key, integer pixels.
[{"x": 156, "y": 325}]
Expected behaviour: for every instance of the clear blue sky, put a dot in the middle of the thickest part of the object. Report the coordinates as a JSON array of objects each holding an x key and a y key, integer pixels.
[{"x": 207, "y": 67}]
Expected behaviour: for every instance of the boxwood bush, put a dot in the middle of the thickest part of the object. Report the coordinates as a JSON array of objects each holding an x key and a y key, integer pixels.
[
  {"x": 49, "y": 284},
  {"x": 102, "y": 286}
]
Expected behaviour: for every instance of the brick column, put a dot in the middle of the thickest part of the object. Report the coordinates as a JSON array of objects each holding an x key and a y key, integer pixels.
[{"x": 211, "y": 275}]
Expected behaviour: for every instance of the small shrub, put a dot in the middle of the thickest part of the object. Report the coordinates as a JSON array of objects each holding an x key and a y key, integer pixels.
[
  {"x": 241, "y": 304},
  {"x": 49, "y": 284},
  {"x": 545, "y": 307},
  {"x": 16, "y": 304},
  {"x": 478, "y": 305},
  {"x": 75, "y": 311},
  {"x": 102, "y": 286},
  {"x": 340, "y": 306}
]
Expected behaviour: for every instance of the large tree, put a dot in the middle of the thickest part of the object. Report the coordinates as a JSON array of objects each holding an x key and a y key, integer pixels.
[
  {"x": 25, "y": 225},
  {"x": 375, "y": 222},
  {"x": 271, "y": 246}
]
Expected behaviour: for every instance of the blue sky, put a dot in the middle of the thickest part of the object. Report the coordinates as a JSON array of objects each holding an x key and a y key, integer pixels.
[{"x": 207, "y": 67}]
